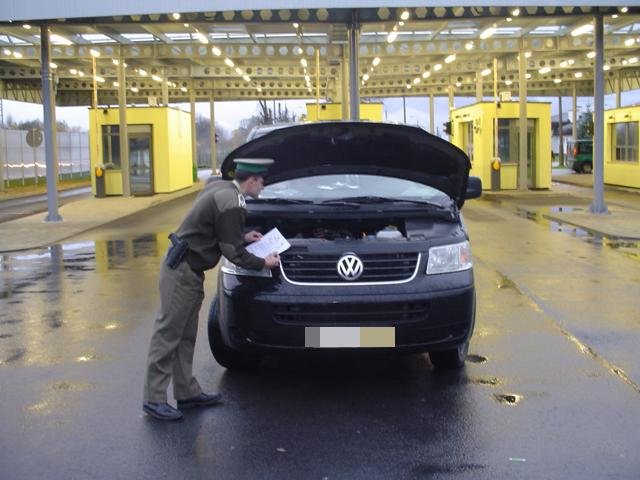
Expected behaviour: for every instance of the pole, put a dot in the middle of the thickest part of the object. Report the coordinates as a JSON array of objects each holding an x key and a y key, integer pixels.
[
  {"x": 404, "y": 110},
  {"x": 598, "y": 206},
  {"x": 123, "y": 131},
  {"x": 50, "y": 140},
  {"x": 194, "y": 143},
  {"x": 318, "y": 81},
  {"x": 432, "y": 121},
  {"x": 354, "y": 93},
  {"x": 523, "y": 180},
  {"x": 560, "y": 134},
  {"x": 212, "y": 133}
]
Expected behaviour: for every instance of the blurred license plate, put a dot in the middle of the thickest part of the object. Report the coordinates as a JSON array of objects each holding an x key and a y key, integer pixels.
[{"x": 349, "y": 337}]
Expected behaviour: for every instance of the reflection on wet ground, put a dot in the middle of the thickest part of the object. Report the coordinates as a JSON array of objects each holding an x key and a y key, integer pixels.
[{"x": 43, "y": 291}]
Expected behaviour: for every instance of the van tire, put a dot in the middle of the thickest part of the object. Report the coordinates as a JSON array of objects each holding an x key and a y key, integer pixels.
[{"x": 587, "y": 167}]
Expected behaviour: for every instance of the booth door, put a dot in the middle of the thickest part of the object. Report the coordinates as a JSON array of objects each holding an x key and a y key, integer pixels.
[
  {"x": 509, "y": 144},
  {"x": 140, "y": 159}
]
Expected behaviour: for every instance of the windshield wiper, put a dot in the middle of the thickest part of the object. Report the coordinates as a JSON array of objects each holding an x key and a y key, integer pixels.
[
  {"x": 279, "y": 200},
  {"x": 375, "y": 199}
]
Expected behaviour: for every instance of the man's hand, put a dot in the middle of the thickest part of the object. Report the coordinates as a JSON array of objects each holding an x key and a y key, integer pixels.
[
  {"x": 272, "y": 260},
  {"x": 252, "y": 236}
]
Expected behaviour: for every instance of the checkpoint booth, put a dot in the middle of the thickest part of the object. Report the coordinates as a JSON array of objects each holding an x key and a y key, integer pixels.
[
  {"x": 369, "y": 112},
  {"x": 621, "y": 146},
  {"x": 160, "y": 159},
  {"x": 473, "y": 131}
]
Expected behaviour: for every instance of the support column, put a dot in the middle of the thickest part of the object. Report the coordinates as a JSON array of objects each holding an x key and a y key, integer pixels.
[
  {"x": 478, "y": 86},
  {"x": 212, "y": 133},
  {"x": 522, "y": 101},
  {"x": 345, "y": 85},
  {"x": 598, "y": 206},
  {"x": 495, "y": 174},
  {"x": 165, "y": 88},
  {"x": 123, "y": 130},
  {"x": 50, "y": 139},
  {"x": 574, "y": 115},
  {"x": 404, "y": 110},
  {"x": 560, "y": 134},
  {"x": 194, "y": 143},
  {"x": 354, "y": 44},
  {"x": 3, "y": 139},
  {"x": 432, "y": 121}
]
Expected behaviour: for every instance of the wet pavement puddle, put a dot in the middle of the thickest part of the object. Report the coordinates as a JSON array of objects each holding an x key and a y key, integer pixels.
[{"x": 508, "y": 398}]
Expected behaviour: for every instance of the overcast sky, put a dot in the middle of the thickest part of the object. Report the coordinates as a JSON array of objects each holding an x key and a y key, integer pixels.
[{"x": 229, "y": 114}]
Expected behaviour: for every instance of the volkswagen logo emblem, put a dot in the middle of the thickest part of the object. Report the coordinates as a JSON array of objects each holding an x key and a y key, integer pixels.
[{"x": 350, "y": 267}]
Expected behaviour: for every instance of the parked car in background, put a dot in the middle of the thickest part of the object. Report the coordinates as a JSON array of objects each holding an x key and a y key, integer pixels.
[
  {"x": 379, "y": 255},
  {"x": 580, "y": 155}
]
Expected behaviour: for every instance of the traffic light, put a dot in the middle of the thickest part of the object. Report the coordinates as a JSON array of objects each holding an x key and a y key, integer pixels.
[{"x": 447, "y": 127}]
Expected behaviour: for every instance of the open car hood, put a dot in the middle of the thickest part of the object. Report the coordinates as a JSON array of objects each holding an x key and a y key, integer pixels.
[{"x": 359, "y": 147}]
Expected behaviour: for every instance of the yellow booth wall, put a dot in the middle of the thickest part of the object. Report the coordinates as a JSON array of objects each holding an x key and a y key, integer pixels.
[
  {"x": 618, "y": 172},
  {"x": 371, "y": 112}
]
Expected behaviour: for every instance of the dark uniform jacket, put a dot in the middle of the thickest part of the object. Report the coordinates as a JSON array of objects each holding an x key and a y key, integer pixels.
[{"x": 214, "y": 226}]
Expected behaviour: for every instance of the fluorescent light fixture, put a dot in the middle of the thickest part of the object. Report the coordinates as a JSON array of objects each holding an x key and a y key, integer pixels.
[
  {"x": 303, "y": 62},
  {"x": 527, "y": 54},
  {"x": 450, "y": 58},
  {"x": 202, "y": 38},
  {"x": 571, "y": 61},
  {"x": 401, "y": 23},
  {"x": 606, "y": 68},
  {"x": 633, "y": 60},
  {"x": 544, "y": 70},
  {"x": 458, "y": 84},
  {"x": 527, "y": 76},
  {"x": 578, "y": 75},
  {"x": 295, "y": 25},
  {"x": 582, "y": 29},
  {"x": 629, "y": 42},
  {"x": 365, "y": 77},
  {"x": 99, "y": 79},
  {"x": 508, "y": 82},
  {"x": 135, "y": 89},
  {"x": 615, "y": 15},
  {"x": 392, "y": 36},
  {"x": 229, "y": 62},
  {"x": 6, "y": 51},
  {"x": 624, "y": 10},
  {"x": 142, "y": 72},
  {"x": 26, "y": 26},
  {"x": 94, "y": 53},
  {"x": 437, "y": 67},
  {"x": 73, "y": 71},
  {"x": 175, "y": 16},
  {"x": 81, "y": 73},
  {"x": 307, "y": 78},
  {"x": 408, "y": 86},
  {"x": 17, "y": 54},
  {"x": 259, "y": 89},
  {"x": 53, "y": 65},
  {"x": 216, "y": 51},
  {"x": 426, "y": 74},
  {"x": 116, "y": 84},
  {"x": 485, "y": 72},
  {"x": 239, "y": 71},
  {"x": 488, "y": 33},
  {"x": 468, "y": 46},
  {"x": 591, "y": 55},
  {"x": 183, "y": 89},
  {"x": 156, "y": 78},
  {"x": 376, "y": 61},
  {"x": 404, "y": 15},
  {"x": 515, "y": 12},
  {"x": 557, "y": 80},
  {"x": 416, "y": 80},
  {"x": 246, "y": 78},
  {"x": 564, "y": 64},
  {"x": 59, "y": 40},
  {"x": 115, "y": 61}
]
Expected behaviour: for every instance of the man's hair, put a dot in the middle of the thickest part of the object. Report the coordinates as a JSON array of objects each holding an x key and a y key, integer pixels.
[{"x": 242, "y": 175}]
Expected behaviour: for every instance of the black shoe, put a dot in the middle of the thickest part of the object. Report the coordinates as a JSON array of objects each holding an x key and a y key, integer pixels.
[
  {"x": 202, "y": 400},
  {"x": 161, "y": 411}
]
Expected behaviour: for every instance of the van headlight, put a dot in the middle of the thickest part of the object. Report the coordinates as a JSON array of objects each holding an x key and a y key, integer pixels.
[
  {"x": 233, "y": 269},
  {"x": 449, "y": 258}
]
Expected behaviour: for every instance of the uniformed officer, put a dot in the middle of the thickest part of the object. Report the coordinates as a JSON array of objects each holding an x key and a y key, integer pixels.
[{"x": 214, "y": 226}]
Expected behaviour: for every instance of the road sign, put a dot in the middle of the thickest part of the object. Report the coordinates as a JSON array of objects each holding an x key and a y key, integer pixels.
[{"x": 34, "y": 137}]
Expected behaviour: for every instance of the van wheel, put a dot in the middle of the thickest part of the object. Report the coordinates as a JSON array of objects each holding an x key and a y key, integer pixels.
[
  {"x": 451, "y": 359},
  {"x": 587, "y": 168},
  {"x": 226, "y": 356}
]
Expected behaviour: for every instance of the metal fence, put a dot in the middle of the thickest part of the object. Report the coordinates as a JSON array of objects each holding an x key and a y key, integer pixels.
[{"x": 25, "y": 165}]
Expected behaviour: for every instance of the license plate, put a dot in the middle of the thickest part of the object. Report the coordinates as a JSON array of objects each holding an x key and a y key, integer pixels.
[{"x": 349, "y": 337}]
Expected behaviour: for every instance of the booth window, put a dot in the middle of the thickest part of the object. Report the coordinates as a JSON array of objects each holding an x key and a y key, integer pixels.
[
  {"x": 625, "y": 141},
  {"x": 111, "y": 146}
]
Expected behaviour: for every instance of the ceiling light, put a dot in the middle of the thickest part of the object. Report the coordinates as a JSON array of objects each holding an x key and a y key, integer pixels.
[
  {"x": 557, "y": 80},
  {"x": 307, "y": 78},
  {"x": 591, "y": 54},
  {"x": 201, "y": 37},
  {"x": 135, "y": 89},
  {"x": 509, "y": 19},
  {"x": 544, "y": 70},
  {"x": 416, "y": 80},
  {"x": 99, "y": 79},
  {"x": 629, "y": 41},
  {"x": 508, "y": 82},
  {"x": 571, "y": 61},
  {"x": 625, "y": 61},
  {"x": 450, "y": 58},
  {"x": 633, "y": 60},
  {"x": 582, "y": 29},
  {"x": 175, "y": 16},
  {"x": 26, "y": 26},
  {"x": 142, "y": 72},
  {"x": 485, "y": 72},
  {"x": 606, "y": 68},
  {"x": 527, "y": 76},
  {"x": 392, "y": 36},
  {"x": 404, "y": 15},
  {"x": 458, "y": 84},
  {"x": 115, "y": 61},
  {"x": 183, "y": 89},
  {"x": 303, "y": 62},
  {"x": 6, "y": 51},
  {"x": 94, "y": 53},
  {"x": 408, "y": 86},
  {"x": 216, "y": 51},
  {"x": 73, "y": 71},
  {"x": 437, "y": 67},
  {"x": 296, "y": 25},
  {"x": 53, "y": 65},
  {"x": 17, "y": 54},
  {"x": 564, "y": 64},
  {"x": 376, "y": 61},
  {"x": 259, "y": 89},
  {"x": 468, "y": 46},
  {"x": 615, "y": 15},
  {"x": 239, "y": 71},
  {"x": 246, "y": 78},
  {"x": 365, "y": 77},
  {"x": 488, "y": 33},
  {"x": 624, "y": 9},
  {"x": 116, "y": 84},
  {"x": 81, "y": 73},
  {"x": 426, "y": 74},
  {"x": 229, "y": 62},
  {"x": 515, "y": 12},
  {"x": 578, "y": 74},
  {"x": 156, "y": 78},
  {"x": 58, "y": 39},
  {"x": 186, "y": 25}
]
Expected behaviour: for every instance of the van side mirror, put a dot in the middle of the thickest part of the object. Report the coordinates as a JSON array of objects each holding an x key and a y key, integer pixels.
[{"x": 474, "y": 188}]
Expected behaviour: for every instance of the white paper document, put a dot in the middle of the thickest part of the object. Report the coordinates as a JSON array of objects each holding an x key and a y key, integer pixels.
[{"x": 272, "y": 241}]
